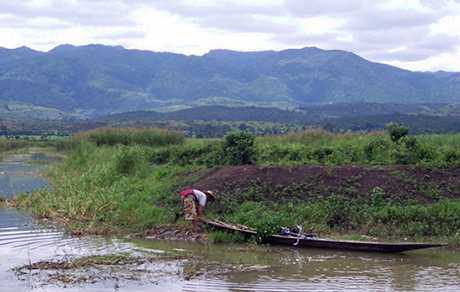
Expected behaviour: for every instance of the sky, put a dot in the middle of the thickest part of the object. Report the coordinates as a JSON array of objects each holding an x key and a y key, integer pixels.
[{"x": 418, "y": 35}]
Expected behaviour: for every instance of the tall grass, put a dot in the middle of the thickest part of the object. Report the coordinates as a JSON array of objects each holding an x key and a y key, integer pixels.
[
  {"x": 8, "y": 144},
  {"x": 318, "y": 146},
  {"x": 131, "y": 136},
  {"x": 103, "y": 189},
  {"x": 100, "y": 188}
]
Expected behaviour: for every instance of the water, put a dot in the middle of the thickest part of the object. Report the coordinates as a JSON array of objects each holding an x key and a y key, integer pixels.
[
  {"x": 212, "y": 268},
  {"x": 16, "y": 176}
]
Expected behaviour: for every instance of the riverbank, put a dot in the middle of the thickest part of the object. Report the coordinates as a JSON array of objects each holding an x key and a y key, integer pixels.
[
  {"x": 105, "y": 263},
  {"x": 170, "y": 232},
  {"x": 123, "y": 180},
  {"x": 350, "y": 200}
]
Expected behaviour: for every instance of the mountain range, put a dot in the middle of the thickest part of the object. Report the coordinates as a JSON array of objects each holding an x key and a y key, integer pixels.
[{"x": 96, "y": 80}]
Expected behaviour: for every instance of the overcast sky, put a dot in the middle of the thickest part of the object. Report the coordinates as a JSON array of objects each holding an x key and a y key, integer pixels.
[{"x": 419, "y": 35}]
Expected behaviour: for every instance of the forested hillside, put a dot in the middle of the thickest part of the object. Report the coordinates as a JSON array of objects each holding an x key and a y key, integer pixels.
[
  {"x": 218, "y": 121},
  {"x": 95, "y": 80}
]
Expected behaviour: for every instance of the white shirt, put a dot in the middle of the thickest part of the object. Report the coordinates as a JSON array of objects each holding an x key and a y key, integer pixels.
[{"x": 200, "y": 196}]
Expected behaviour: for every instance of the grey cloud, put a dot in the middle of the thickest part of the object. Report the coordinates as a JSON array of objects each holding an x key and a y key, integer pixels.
[
  {"x": 95, "y": 16},
  {"x": 297, "y": 39},
  {"x": 376, "y": 32},
  {"x": 390, "y": 37},
  {"x": 436, "y": 4},
  {"x": 122, "y": 35},
  {"x": 365, "y": 15},
  {"x": 418, "y": 46},
  {"x": 12, "y": 21},
  {"x": 441, "y": 43},
  {"x": 313, "y": 8},
  {"x": 414, "y": 37},
  {"x": 229, "y": 16},
  {"x": 380, "y": 20},
  {"x": 404, "y": 56},
  {"x": 17, "y": 9},
  {"x": 380, "y": 46},
  {"x": 85, "y": 13},
  {"x": 245, "y": 24},
  {"x": 223, "y": 8}
]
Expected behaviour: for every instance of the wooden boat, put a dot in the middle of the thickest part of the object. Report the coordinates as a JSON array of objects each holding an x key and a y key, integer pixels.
[{"x": 318, "y": 242}]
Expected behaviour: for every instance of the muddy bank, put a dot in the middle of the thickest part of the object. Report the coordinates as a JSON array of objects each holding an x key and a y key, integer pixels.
[
  {"x": 121, "y": 271},
  {"x": 171, "y": 233}
]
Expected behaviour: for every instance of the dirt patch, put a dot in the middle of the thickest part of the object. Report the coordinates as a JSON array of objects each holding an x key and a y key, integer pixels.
[
  {"x": 171, "y": 233},
  {"x": 417, "y": 183}
]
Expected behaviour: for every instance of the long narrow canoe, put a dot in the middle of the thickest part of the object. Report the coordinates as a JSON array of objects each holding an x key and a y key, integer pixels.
[{"x": 318, "y": 242}]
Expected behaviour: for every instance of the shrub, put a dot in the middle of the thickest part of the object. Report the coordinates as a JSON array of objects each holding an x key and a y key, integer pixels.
[
  {"x": 238, "y": 147},
  {"x": 322, "y": 154},
  {"x": 267, "y": 226},
  {"x": 397, "y": 131},
  {"x": 452, "y": 156},
  {"x": 374, "y": 150}
]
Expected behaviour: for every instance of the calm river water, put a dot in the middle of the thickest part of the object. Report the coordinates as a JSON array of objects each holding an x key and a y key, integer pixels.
[{"x": 274, "y": 269}]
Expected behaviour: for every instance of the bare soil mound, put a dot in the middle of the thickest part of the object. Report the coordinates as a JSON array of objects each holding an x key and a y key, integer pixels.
[{"x": 418, "y": 183}]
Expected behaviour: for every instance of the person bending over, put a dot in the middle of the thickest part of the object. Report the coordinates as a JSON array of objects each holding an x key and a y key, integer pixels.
[{"x": 194, "y": 202}]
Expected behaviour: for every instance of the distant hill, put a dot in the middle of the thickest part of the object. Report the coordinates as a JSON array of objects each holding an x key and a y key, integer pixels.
[
  {"x": 17, "y": 54},
  {"x": 217, "y": 121},
  {"x": 97, "y": 80},
  {"x": 308, "y": 115}
]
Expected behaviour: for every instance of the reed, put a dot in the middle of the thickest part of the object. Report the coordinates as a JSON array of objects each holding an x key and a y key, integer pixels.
[
  {"x": 130, "y": 136},
  {"x": 8, "y": 144}
]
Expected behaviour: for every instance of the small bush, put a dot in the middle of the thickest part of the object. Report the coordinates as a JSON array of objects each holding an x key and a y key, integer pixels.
[
  {"x": 238, "y": 147},
  {"x": 397, "y": 131},
  {"x": 377, "y": 197},
  {"x": 267, "y": 225},
  {"x": 374, "y": 150},
  {"x": 452, "y": 156},
  {"x": 322, "y": 154}
]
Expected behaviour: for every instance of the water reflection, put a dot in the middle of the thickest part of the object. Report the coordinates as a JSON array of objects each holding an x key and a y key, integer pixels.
[
  {"x": 12, "y": 184},
  {"x": 16, "y": 175},
  {"x": 294, "y": 269}
]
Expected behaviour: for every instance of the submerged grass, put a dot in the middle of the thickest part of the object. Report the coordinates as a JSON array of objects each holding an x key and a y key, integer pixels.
[{"x": 115, "y": 180}]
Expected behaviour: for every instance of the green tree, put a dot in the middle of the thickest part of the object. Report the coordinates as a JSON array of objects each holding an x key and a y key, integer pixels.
[
  {"x": 397, "y": 131},
  {"x": 238, "y": 147}
]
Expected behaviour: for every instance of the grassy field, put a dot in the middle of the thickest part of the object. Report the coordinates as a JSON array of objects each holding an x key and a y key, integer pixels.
[{"x": 127, "y": 180}]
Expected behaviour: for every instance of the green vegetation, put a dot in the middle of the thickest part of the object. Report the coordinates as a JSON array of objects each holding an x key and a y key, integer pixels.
[
  {"x": 238, "y": 148},
  {"x": 226, "y": 237},
  {"x": 131, "y": 136},
  {"x": 11, "y": 145},
  {"x": 127, "y": 179},
  {"x": 218, "y": 121},
  {"x": 7, "y": 145}
]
